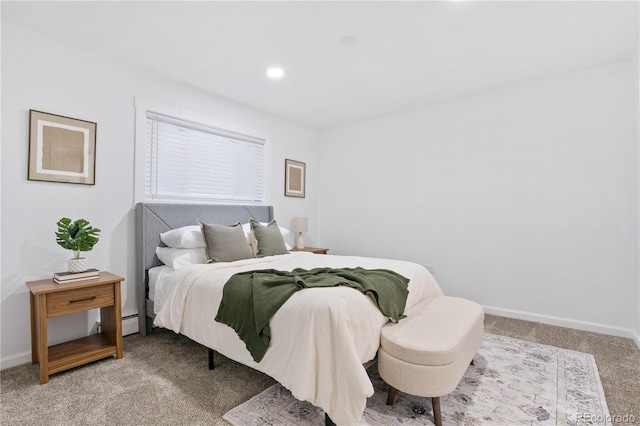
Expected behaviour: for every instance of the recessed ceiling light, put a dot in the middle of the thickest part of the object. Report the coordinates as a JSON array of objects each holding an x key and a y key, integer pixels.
[
  {"x": 275, "y": 72},
  {"x": 349, "y": 41}
]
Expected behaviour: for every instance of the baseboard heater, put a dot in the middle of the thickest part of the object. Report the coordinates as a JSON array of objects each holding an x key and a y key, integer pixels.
[{"x": 129, "y": 324}]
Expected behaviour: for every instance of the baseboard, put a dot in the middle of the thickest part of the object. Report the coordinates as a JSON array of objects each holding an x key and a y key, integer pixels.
[
  {"x": 565, "y": 322},
  {"x": 130, "y": 326},
  {"x": 636, "y": 338},
  {"x": 15, "y": 360}
]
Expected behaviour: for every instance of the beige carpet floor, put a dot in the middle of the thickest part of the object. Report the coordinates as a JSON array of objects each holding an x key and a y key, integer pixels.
[{"x": 163, "y": 380}]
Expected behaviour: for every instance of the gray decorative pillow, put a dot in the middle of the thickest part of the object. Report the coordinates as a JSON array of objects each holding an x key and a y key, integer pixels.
[
  {"x": 270, "y": 241},
  {"x": 225, "y": 243}
]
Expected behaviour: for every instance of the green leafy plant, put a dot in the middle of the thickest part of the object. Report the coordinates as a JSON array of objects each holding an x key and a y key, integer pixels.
[{"x": 76, "y": 236}]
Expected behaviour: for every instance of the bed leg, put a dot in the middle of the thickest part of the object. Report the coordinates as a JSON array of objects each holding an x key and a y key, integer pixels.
[
  {"x": 211, "y": 365},
  {"x": 328, "y": 421},
  {"x": 149, "y": 325}
]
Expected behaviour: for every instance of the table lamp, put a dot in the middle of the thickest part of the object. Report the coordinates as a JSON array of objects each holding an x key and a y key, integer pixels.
[{"x": 300, "y": 225}]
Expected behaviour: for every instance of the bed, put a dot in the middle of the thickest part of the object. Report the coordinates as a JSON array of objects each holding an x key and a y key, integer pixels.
[{"x": 320, "y": 337}]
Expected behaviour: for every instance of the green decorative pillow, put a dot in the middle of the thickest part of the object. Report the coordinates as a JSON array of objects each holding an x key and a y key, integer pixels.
[
  {"x": 225, "y": 243},
  {"x": 270, "y": 241}
]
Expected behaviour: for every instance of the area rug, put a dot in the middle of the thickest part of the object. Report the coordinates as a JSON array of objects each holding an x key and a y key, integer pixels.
[{"x": 513, "y": 382}]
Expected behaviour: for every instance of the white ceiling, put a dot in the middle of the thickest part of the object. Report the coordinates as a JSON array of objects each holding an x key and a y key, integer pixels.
[{"x": 409, "y": 54}]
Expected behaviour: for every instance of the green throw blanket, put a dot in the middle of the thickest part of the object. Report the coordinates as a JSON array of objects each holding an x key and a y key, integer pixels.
[{"x": 250, "y": 299}]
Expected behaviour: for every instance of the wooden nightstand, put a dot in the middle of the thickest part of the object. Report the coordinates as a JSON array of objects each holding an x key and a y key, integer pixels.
[
  {"x": 315, "y": 250},
  {"x": 49, "y": 299}
]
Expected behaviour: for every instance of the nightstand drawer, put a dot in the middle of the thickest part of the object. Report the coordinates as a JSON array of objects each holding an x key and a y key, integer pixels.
[{"x": 81, "y": 299}]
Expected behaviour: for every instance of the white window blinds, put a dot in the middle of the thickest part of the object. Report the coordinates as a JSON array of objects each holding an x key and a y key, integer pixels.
[{"x": 187, "y": 160}]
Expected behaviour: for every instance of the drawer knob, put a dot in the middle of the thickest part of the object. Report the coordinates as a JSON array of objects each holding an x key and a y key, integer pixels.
[{"x": 83, "y": 300}]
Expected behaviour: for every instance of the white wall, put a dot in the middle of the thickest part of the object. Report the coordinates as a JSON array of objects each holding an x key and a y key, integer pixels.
[
  {"x": 54, "y": 77},
  {"x": 521, "y": 198}
]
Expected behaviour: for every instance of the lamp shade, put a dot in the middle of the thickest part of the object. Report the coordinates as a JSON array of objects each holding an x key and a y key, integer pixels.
[{"x": 300, "y": 224}]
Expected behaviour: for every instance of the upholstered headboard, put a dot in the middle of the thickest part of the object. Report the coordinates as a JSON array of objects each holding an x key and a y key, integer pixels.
[{"x": 152, "y": 219}]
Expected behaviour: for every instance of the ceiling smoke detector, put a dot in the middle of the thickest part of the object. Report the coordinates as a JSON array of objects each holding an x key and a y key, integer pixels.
[{"x": 349, "y": 41}]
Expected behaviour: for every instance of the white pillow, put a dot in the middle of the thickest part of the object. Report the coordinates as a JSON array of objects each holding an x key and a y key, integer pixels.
[
  {"x": 186, "y": 237},
  {"x": 177, "y": 257},
  {"x": 246, "y": 227}
]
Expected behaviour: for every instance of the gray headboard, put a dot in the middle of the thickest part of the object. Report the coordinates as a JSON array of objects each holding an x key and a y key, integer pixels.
[{"x": 152, "y": 219}]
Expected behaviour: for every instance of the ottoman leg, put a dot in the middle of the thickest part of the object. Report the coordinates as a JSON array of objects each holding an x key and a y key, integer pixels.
[
  {"x": 392, "y": 395},
  {"x": 437, "y": 417}
]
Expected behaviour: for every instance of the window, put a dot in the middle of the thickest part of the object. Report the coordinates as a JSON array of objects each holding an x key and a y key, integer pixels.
[{"x": 192, "y": 161}]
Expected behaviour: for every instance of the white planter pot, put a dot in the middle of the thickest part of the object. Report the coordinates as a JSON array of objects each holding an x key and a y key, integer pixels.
[{"x": 78, "y": 265}]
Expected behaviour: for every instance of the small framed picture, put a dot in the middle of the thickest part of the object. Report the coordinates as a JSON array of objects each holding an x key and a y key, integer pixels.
[
  {"x": 294, "y": 178},
  {"x": 61, "y": 149}
]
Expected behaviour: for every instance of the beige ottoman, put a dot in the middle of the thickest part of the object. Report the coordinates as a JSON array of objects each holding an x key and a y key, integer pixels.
[{"x": 427, "y": 353}]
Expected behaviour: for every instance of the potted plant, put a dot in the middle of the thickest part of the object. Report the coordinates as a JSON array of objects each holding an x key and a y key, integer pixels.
[{"x": 76, "y": 236}]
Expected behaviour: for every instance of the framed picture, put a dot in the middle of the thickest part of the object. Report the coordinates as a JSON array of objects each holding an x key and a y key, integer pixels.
[
  {"x": 61, "y": 149},
  {"x": 294, "y": 178}
]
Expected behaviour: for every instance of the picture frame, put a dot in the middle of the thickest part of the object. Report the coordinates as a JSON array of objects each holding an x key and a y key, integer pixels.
[
  {"x": 294, "y": 178},
  {"x": 61, "y": 149}
]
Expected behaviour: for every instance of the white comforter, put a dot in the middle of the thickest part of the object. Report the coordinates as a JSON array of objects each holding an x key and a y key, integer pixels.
[{"x": 320, "y": 336}]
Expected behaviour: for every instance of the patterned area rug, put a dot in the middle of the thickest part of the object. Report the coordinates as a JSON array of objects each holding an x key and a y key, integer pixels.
[{"x": 513, "y": 382}]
